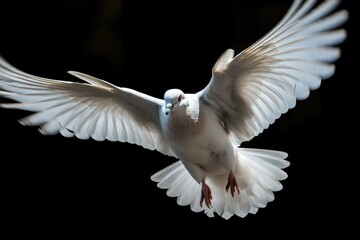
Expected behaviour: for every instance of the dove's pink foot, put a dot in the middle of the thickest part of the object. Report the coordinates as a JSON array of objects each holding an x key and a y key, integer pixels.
[
  {"x": 205, "y": 194},
  {"x": 232, "y": 184}
]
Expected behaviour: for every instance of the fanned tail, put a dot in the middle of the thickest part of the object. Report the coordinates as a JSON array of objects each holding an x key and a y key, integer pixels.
[
  {"x": 180, "y": 184},
  {"x": 258, "y": 173}
]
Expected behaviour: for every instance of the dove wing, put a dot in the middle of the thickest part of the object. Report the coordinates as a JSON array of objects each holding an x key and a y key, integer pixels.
[
  {"x": 251, "y": 90},
  {"x": 95, "y": 109}
]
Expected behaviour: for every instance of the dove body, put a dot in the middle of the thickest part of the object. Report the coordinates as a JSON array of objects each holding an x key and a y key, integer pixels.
[{"x": 204, "y": 153}]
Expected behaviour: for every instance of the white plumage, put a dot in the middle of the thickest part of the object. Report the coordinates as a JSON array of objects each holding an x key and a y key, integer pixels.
[{"x": 245, "y": 95}]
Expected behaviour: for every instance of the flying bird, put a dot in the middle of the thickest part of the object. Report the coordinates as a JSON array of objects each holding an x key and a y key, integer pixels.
[{"x": 204, "y": 131}]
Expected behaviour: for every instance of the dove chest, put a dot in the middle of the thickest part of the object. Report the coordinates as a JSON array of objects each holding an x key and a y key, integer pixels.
[
  {"x": 199, "y": 140},
  {"x": 194, "y": 129},
  {"x": 182, "y": 126}
]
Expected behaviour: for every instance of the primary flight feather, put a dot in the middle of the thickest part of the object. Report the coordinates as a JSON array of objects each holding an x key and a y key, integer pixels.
[{"x": 246, "y": 94}]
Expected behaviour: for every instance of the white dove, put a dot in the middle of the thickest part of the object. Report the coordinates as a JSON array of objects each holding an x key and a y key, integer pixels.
[{"x": 204, "y": 130}]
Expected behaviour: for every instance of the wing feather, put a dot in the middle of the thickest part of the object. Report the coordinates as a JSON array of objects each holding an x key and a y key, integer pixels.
[
  {"x": 95, "y": 109},
  {"x": 251, "y": 90}
]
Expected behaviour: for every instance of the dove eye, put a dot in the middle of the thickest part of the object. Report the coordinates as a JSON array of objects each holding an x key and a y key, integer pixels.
[{"x": 179, "y": 98}]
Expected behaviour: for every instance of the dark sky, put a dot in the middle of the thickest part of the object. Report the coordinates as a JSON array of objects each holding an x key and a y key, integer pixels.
[{"x": 59, "y": 184}]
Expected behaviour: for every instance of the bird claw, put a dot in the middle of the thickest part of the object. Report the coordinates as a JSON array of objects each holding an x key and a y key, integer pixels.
[
  {"x": 232, "y": 184},
  {"x": 205, "y": 194}
]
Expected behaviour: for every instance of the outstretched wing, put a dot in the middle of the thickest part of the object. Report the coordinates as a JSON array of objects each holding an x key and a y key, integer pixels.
[
  {"x": 251, "y": 90},
  {"x": 95, "y": 109}
]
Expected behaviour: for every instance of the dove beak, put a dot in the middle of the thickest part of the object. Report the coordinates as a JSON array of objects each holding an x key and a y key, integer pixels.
[{"x": 169, "y": 107}]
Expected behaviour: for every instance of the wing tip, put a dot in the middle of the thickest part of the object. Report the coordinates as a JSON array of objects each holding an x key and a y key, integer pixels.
[
  {"x": 224, "y": 59},
  {"x": 79, "y": 75},
  {"x": 74, "y": 73},
  {"x": 4, "y": 105},
  {"x": 24, "y": 121},
  {"x": 42, "y": 131},
  {"x": 345, "y": 14}
]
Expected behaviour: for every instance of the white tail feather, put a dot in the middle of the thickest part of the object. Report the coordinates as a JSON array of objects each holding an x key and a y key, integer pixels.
[{"x": 258, "y": 173}]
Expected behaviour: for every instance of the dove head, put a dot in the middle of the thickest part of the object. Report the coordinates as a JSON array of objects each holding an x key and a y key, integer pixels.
[{"x": 173, "y": 99}]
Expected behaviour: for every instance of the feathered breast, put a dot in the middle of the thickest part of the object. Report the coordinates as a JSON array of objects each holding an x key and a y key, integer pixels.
[{"x": 183, "y": 122}]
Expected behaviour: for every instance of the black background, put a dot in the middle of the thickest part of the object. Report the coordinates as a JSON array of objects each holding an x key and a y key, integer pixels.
[{"x": 51, "y": 185}]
